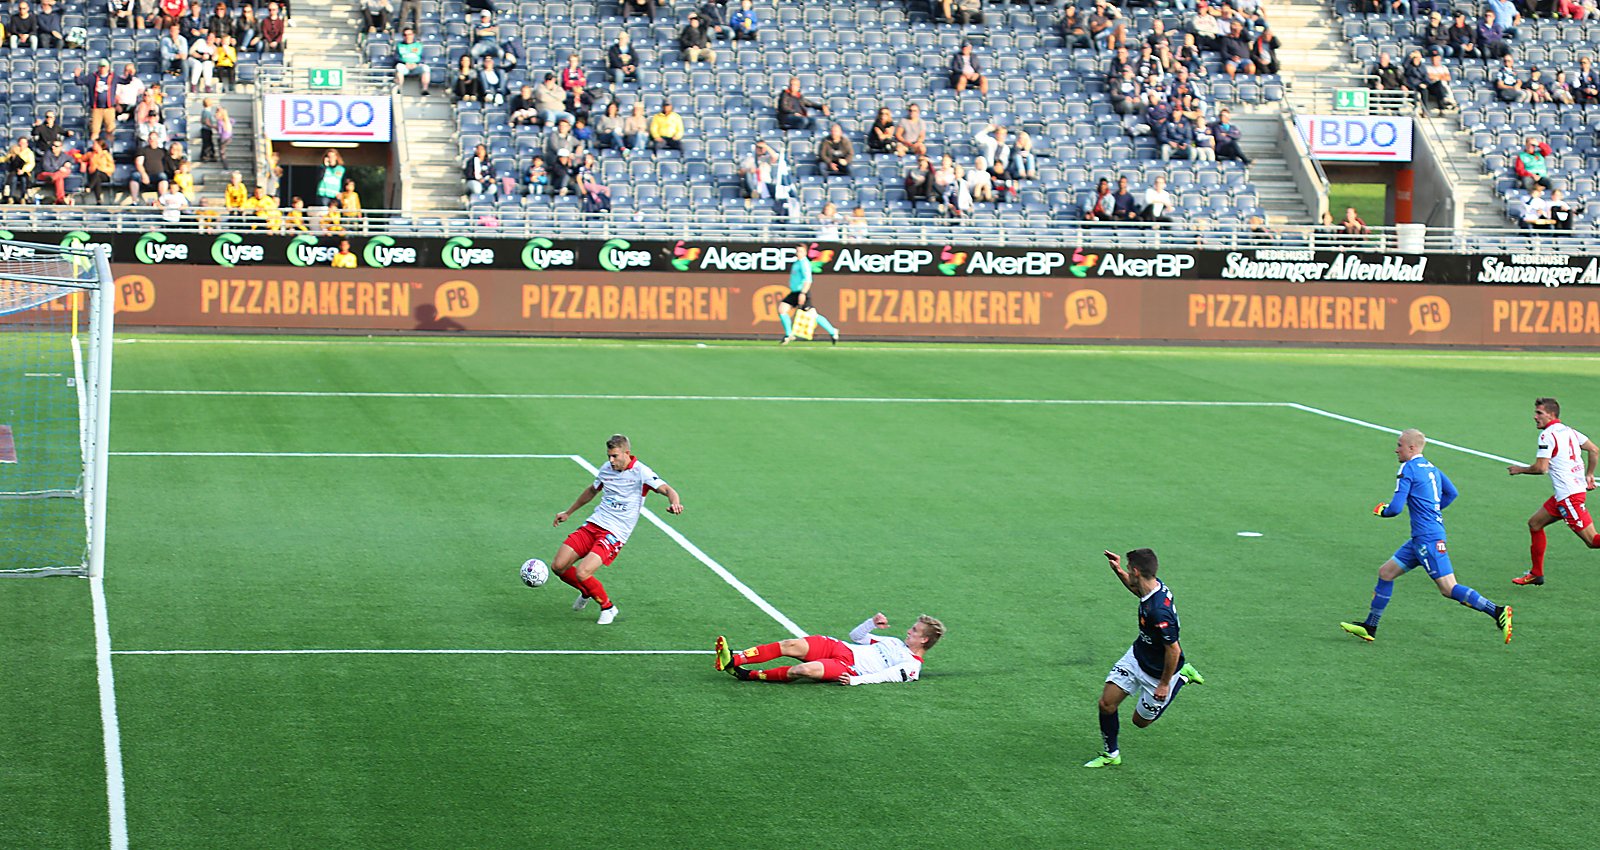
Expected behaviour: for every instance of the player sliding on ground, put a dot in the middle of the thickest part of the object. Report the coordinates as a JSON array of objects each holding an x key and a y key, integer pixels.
[
  {"x": 1422, "y": 489},
  {"x": 1559, "y": 445},
  {"x": 625, "y": 482},
  {"x": 865, "y": 660},
  {"x": 1154, "y": 667}
]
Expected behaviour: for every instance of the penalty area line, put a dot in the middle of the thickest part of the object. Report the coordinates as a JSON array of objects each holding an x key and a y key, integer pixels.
[
  {"x": 1351, "y": 420},
  {"x": 412, "y": 652},
  {"x": 402, "y": 455}
]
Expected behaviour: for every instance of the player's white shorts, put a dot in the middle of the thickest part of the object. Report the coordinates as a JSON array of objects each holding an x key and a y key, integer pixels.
[{"x": 1129, "y": 676}]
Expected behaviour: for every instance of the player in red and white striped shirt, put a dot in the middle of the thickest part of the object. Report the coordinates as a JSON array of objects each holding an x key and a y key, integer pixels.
[
  {"x": 865, "y": 660},
  {"x": 1571, "y": 478}
]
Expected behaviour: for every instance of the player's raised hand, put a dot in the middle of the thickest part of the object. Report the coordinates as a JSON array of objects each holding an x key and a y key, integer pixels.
[
  {"x": 560, "y": 518},
  {"x": 1115, "y": 559},
  {"x": 879, "y": 621},
  {"x": 1378, "y": 511}
]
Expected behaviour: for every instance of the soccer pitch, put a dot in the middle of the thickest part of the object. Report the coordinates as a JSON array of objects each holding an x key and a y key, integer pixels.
[{"x": 319, "y": 639}]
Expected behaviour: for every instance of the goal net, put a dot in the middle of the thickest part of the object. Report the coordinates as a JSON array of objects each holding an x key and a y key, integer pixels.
[{"x": 56, "y": 307}]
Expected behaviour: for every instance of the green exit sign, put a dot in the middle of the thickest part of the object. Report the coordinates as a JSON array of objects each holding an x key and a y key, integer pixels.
[
  {"x": 1350, "y": 100},
  {"x": 327, "y": 78}
]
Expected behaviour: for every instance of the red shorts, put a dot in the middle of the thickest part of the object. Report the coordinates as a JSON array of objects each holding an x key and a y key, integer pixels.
[
  {"x": 837, "y": 658},
  {"x": 592, "y": 538},
  {"x": 1570, "y": 509}
]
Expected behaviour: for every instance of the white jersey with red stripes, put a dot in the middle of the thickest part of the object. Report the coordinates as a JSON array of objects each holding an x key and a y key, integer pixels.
[
  {"x": 622, "y": 496},
  {"x": 881, "y": 658},
  {"x": 1560, "y": 444}
]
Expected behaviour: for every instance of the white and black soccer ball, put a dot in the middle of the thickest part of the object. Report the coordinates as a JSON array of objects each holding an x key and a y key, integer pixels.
[{"x": 535, "y": 572}]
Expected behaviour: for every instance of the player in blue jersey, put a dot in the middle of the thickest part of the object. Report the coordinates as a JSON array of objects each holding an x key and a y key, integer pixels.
[
  {"x": 1424, "y": 491},
  {"x": 1154, "y": 667},
  {"x": 799, "y": 297}
]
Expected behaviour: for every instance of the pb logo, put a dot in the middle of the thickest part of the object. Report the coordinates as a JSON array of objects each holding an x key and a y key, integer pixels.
[
  {"x": 1085, "y": 307},
  {"x": 1430, "y": 314},
  {"x": 456, "y": 299},
  {"x": 764, "y": 304},
  {"x": 135, "y": 293}
]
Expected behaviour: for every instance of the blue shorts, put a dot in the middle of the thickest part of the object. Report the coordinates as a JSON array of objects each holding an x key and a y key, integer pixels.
[{"x": 1431, "y": 554}]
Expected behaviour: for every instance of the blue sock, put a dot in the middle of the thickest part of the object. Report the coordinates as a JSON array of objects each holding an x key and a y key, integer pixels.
[
  {"x": 1473, "y": 599},
  {"x": 1380, "y": 600},
  {"x": 788, "y": 324},
  {"x": 823, "y": 323},
  {"x": 1108, "y": 730}
]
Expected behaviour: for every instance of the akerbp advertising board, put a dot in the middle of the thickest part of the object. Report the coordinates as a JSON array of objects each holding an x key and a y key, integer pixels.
[
  {"x": 328, "y": 117},
  {"x": 1357, "y": 138}
]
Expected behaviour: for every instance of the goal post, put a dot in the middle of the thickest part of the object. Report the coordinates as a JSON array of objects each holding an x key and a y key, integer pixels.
[{"x": 57, "y": 307}]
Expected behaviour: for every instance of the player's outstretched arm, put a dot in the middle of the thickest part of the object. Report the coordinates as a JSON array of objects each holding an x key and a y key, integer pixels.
[
  {"x": 674, "y": 504},
  {"x": 583, "y": 499},
  {"x": 1538, "y": 467},
  {"x": 1122, "y": 574},
  {"x": 1591, "y": 453},
  {"x": 863, "y": 632}
]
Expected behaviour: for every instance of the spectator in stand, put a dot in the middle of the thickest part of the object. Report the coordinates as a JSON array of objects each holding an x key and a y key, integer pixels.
[
  {"x": 130, "y": 91},
  {"x": 1563, "y": 213},
  {"x": 1536, "y": 212},
  {"x": 980, "y": 182},
  {"x": 295, "y": 220},
  {"x": 794, "y": 108},
  {"x": 1538, "y": 88},
  {"x": 912, "y": 134},
  {"x": 992, "y": 143},
  {"x": 1586, "y": 88},
  {"x": 694, "y": 40},
  {"x": 1439, "y": 83},
  {"x": 331, "y": 178},
  {"x": 1386, "y": 75},
  {"x": 765, "y": 173},
  {"x": 1227, "y": 135},
  {"x": 880, "y": 136},
  {"x": 249, "y": 30},
  {"x": 52, "y": 168},
  {"x": 344, "y": 258},
  {"x": 1177, "y": 140},
  {"x": 485, "y": 37},
  {"x": 350, "y": 202},
  {"x": 1561, "y": 89},
  {"x": 150, "y": 167},
  {"x": 168, "y": 12},
  {"x": 171, "y": 202},
  {"x": 193, "y": 23},
  {"x": 152, "y": 130},
  {"x": 1436, "y": 35},
  {"x": 221, "y": 22},
  {"x": 965, "y": 70},
  {"x": 492, "y": 82},
  {"x": 551, "y": 101},
  {"x": 22, "y": 30},
  {"x": 1508, "y": 83},
  {"x": 958, "y": 196},
  {"x": 1352, "y": 225},
  {"x": 121, "y": 14},
  {"x": 1506, "y": 14},
  {"x": 1264, "y": 52},
  {"x": 148, "y": 105},
  {"x": 47, "y": 131},
  {"x": 828, "y": 223},
  {"x": 744, "y": 23},
  {"x": 1101, "y": 206},
  {"x": 464, "y": 83},
  {"x": 1158, "y": 202},
  {"x": 1491, "y": 38},
  {"x": 537, "y": 177},
  {"x": 561, "y": 139},
  {"x": 98, "y": 166},
  {"x": 208, "y": 129},
  {"x": 332, "y": 222},
  {"x": 224, "y": 135},
  {"x": 608, "y": 128},
  {"x": 963, "y": 12},
  {"x": 408, "y": 61},
  {"x": 227, "y": 61},
  {"x": 1235, "y": 50},
  {"x": 635, "y": 129},
  {"x": 375, "y": 15},
  {"x": 183, "y": 181},
  {"x": 202, "y": 64},
  {"x": 1154, "y": 118},
  {"x": 564, "y": 174},
  {"x": 835, "y": 153},
  {"x": 596, "y": 195},
  {"x": 666, "y": 129},
  {"x": 573, "y": 78},
  {"x": 856, "y": 227},
  {"x": 638, "y": 7},
  {"x": 272, "y": 30},
  {"x": 51, "y": 33},
  {"x": 1123, "y": 205},
  {"x": 410, "y": 14},
  {"x": 1463, "y": 38},
  {"x": 262, "y": 209},
  {"x": 624, "y": 67},
  {"x": 1074, "y": 31},
  {"x": 943, "y": 175},
  {"x": 1532, "y": 164},
  {"x": 19, "y": 159},
  {"x": 100, "y": 90},
  {"x": 174, "y": 50},
  {"x": 478, "y": 171},
  {"x": 919, "y": 182},
  {"x": 1105, "y": 27},
  {"x": 1125, "y": 93},
  {"x": 1024, "y": 164}
]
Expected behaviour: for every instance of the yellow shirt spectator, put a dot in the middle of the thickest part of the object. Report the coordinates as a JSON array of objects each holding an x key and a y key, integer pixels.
[
  {"x": 345, "y": 259},
  {"x": 666, "y": 124},
  {"x": 235, "y": 195}
]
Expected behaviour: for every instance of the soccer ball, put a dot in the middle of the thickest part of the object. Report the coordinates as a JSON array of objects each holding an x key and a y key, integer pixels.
[{"x": 534, "y": 572}]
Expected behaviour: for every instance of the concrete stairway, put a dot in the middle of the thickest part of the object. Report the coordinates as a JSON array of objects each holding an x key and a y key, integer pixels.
[
  {"x": 1475, "y": 195},
  {"x": 322, "y": 34},
  {"x": 211, "y": 177},
  {"x": 1276, "y": 190}
]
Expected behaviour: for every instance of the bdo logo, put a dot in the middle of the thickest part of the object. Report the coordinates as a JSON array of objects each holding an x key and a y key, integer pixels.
[
  {"x": 540, "y": 253},
  {"x": 135, "y": 293},
  {"x": 459, "y": 253},
  {"x": 951, "y": 260},
  {"x": 381, "y": 252},
  {"x": 1430, "y": 314},
  {"x": 1086, "y": 307},
  {"x": 153, "y": 248},
  {"x": 304, "y": 251},
  {"x": 229, "y": 250},
  {"x": 615, "y": 256},
  {"x": 456, "y": 299}
]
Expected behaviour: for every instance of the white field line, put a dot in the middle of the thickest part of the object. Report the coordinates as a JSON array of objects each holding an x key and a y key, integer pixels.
[
  {"x": 116, "y": 801},
  {"x": 702, "y": 557},
  {"x": 1376, "y": 427},
  {"x": 879, "y": 348},
  {"x": 402, "y": 455},
  {"x": 412, "y": 652},
  {"x": 749, "y": 398}
]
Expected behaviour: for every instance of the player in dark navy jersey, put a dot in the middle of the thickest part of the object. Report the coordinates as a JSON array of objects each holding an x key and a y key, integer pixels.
[
  {"x": 1154, "y": 667},
  {"x": 1423, "y": 490}
]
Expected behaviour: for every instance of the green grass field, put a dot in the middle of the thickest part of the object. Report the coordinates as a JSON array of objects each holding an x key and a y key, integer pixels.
[{"x": 990, "y": 515}]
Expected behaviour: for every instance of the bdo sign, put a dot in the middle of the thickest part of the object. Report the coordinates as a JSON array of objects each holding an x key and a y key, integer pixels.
[
  {"x": 328, "y": 118},
  {"x": 1363, "y": 138}
]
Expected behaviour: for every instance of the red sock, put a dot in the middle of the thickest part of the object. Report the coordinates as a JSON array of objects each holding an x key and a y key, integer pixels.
[
  {"x": 776, "y": 674},
  {"x": 592, "y": 588},
  {"x": 757, "y": 654},
  {"x": 570, "y": 576},
  {"x": 1537, "y": 551}
]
